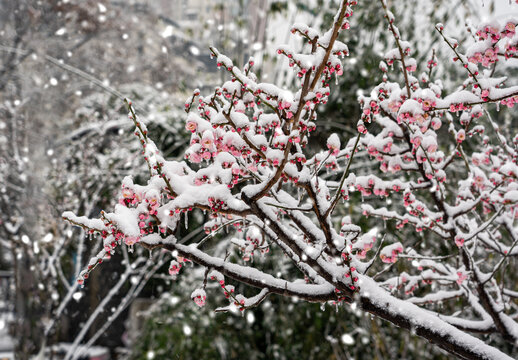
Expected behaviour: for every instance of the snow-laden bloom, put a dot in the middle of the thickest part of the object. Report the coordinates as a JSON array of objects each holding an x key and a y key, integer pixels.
[
  {"x": 333, "y": 144},
  {"x": 459, "y": 241},
  {"x": 461, "y": 136},
  {"x": 174, "y": 267},
  {"x": 131, "y": 240},
  {"x": 199, "y": 296},
  {"x": 390, "y": 253},
  {"x": 207, "y": 139}
]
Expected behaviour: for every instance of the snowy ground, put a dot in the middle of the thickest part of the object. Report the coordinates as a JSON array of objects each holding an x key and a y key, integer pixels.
[
  {"x": 6, "y": 342},
  {"x": 92, "y": 353}
]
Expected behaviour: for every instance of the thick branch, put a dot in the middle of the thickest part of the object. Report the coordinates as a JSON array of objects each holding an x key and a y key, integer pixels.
[{"x": 248, "y": 275}]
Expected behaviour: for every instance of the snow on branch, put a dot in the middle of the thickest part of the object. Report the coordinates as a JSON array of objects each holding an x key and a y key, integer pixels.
[{"x": 446, "y": 190}]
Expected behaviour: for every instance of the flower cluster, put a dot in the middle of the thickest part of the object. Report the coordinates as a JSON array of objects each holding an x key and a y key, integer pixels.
[{"x": 494, "y": 40}]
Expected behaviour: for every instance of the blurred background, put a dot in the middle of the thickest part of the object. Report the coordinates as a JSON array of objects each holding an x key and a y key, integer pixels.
[{"x": 66, "y": 144}]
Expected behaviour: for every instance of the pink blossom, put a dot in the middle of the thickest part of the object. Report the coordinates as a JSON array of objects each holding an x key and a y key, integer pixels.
[
  {"x": 206, "y": 143},
  {"x": 191, "y": 126},
  {"x": 479, "y": 182},
  {"x": 131, "y": 240},
  {"x": 432, "y": 148},
  {"x": 461, "y": 277},
  {"x": 459, "y": 241},
  {"x": 195, "y": 158},
  {"x": 199, "y": 296},
  {"x": 461, "y": 136},
  {"x": 174, "y": 267}
]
